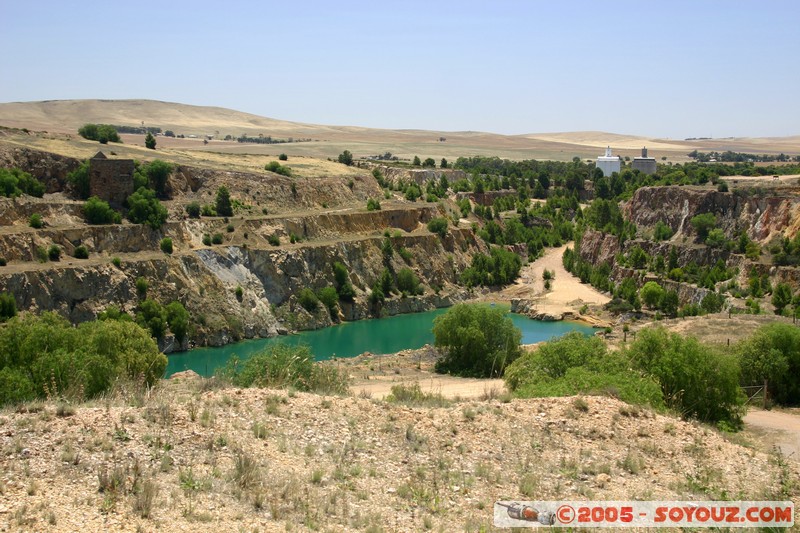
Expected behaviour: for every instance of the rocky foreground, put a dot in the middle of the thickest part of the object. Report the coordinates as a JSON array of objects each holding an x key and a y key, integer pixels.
[{"x": 193, "y": 457}]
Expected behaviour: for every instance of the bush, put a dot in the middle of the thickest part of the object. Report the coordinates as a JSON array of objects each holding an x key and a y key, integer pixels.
[
  {"x": 408, "y": 282},
  {"x": 330, "y": 298},
  {"x": 651, "y": 294},
  {"x": 697, "y": 380},
  {"x": 8, "y": 306},
  {"x": 475, "y": 341},
  {"x": 283, "y": 157},
  {"x": 166, "y": 245},
  {"x": 281, "y": 365},
  {"x": 703, "y": 224},
  {"x": 438, "y": 226},
  {"x": 178, "y": 320},
  {"x": 772, "y": 353},
  {"x": 54, "y": 253},
  {"x": 103, "y": 133},
  {"x": 3, "y": 261},
  {"x": 277, "y": 168},
  {"x": 141, "y": 287},
  {"x": 308, "y": 299},
  {"x": 781, "y": 297},
  {"x": 341, "y": 278},
  {"x": 117, "y": 262},
  {"x": 208, "y": 210},
  {"x": 98, "y": 211},
  {"x": 14, "y": 182},
  {"x": 373, "y": 205},
  {"x": 144, "y": 208},
  {"x": 35, "y": 221},
  {"x": 193, "y": 209},
  {"x": 81, "y": 252},
  {"x": 499, "y": 268},
  {"x": 151, "y": 315},
  {"x": 589, "y": 369},
  {"x": 41, "y": 353},
  {"x": 217, "y": 238},
  {"x": 223, "y": 206},
  {"x": 662, "y": 232},
  {"x": 79, "y": 180},
  {"x": 274, "y": 240},
  {"x": 346, "y": 158},
  {"x": 158, "y": 172}
]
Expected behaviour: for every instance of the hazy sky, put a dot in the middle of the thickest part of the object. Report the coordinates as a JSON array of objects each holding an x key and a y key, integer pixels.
[{"x": 673, "y": 69}]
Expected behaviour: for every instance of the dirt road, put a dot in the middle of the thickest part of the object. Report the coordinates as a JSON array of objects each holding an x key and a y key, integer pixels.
[{"x": 782, "y": 428}]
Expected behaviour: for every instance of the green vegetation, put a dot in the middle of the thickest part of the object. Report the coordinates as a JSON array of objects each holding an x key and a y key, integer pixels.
[
  {"x": 98, "y": 211},
  {"x": 81, "y": 252},
  {"x": 193, "y": 209},
  {"x": 158, "y": 172},
  {"x": 475, "y": 341},
  {"x": 283, "y": 157},
  {"x": 575, "y": 364},
  {"x": 499, "y": 268},
  {"x": 54, "y": 252},
  {"x": 662, "y": 232},
  {"x": 144, "y": 208},
  {"x": 346, "y": 158},
  {"x": 438, "y": 225},
  {"x": 217, "y": 239},
  {"x": 45, "y": 355},
  {"x": 8, "y": 306},
  {"x": 342, "y": 283},
  {"x": 772, "y": 353},
  {"x": 35, "y": 221},
  {"x": 703, "y": 224},
  {"x": 141, "y": 287},
  {"x": 14, "y": 182},
  {"x": 285, "y": 366},
  {"x": 277, "y": 168},
  {"x": 166, "y": 245},
  {"x": 373, "y": 205},
  {"x": 330, "y": 298},
  {"x": 79, "y": 180},
  {"x": 273, "y": 239},
  {"x": 407, "y": 282},
  {"x": 308, "y": 299},
  {"x": 697, "y": 380},
  {"x": 223, "y": 205},
  {"x": 651, "y": 294},
  {"x": 150, "y": 141},
  {"x": 102, "y": 133}
]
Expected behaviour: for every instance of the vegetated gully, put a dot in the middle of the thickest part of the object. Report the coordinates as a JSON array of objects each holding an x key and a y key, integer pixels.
[{"x": 379, "y": 336}]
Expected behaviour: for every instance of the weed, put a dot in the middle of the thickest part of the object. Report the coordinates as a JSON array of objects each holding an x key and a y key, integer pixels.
[
  {"x": 413, "y": 396},
  {"x": 579, "y": 403},
  {"x": 633, "y": 462},
  {"x": 145, "y": 497},
  {"x": 260, "y": 430}
]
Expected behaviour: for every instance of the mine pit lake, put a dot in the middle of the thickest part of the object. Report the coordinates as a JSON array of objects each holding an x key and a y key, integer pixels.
[{"x": 378, "y": 336}]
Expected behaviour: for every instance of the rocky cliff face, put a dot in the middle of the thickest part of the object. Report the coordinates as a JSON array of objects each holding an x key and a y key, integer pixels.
[
  {"x": 415, "y": 175},
  {"x": 763, "y": 214}
]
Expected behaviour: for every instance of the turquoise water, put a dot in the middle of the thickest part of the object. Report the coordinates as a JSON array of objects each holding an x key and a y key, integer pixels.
[{"x": 385, "y": 335}]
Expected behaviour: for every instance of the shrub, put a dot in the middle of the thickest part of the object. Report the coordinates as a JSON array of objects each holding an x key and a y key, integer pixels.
[
  {"x": 166, "y": 245},
  {"x": 157, "y": 172},
  {"x": 144, "y": 208},
  {"x": 716, "y": 238},
  {"x": 98, "y": 211},
  {"x": 499, "y": 268},
  {"x": 206, "y": 239},
  {"x": 152, "y": 316},
  {"x": 79, "y": 180},
  {"x": 662, "y": 232},
  {"x": 217, "y": 238},
  {"x": 239, "y": 293},
  {"x": 781, "y": 297},
  {"x": 8, "y": 306},
  {"x": 223, "y": 205},
  {"x": 722, "y": 186},
  {"x": 141, "y": 287},
  {"x": 14, "y": 182},
  {"x": 208, "y": 210},
  {"x": 35, "y": 221},
  {"x": 330, "y": 298},
  {"x": 103, "y": 133},
  {"x": 696, "y": 380},
  {"x": 54, "y": 253},
  {"x": 341, "y": 278},
  {"x": 117, "y": 262},
  {"x": 346, "y": 158},
  {"x": 475, "y": 341},
  {"x": 283, "y": 157},
  {"x": 178, "y": 320},
  {"x": 281, "y": 365},
  {"x": 81, "y": 252},
  {"x": 373, "y": 205},
  {"x": 651, "y": 294},
  {"x": 703, "y": 224},
  {"x": 274, "y": 240},
  {"x": 408, "y": 282},
  {"x": 193, "y": 209},
  {"x": 308, "y": 299},
  {"x": 438, "y": 226},
  {"x": 277, "y": 168},
  {"x": 772, "y": 353}
]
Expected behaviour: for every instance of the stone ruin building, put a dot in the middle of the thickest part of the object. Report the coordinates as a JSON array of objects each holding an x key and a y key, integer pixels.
[{"x": 110, "y": 179}]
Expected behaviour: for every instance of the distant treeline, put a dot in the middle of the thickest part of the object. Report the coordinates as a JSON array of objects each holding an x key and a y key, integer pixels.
[
  {"x": 269, "y": 140},
  {"x": 137, "y": 129},
  {"x": 739, "y": 157}
]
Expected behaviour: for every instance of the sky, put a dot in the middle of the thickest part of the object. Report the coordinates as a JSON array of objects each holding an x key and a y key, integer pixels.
[{"x": 672, "y": 69}]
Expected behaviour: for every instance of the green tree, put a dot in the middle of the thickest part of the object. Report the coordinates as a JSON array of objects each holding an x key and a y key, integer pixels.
[
  {"x": 193, "y": 209},
  {"x": 696, "y": 379},
  {"x": 662, "y": 232},
  {"x": 651, "y": 294},
  {"x": 781, "y": 297},
  {"x": 152, "y": 316},
  {"x": 342, "y": 282},
  {"x": 107, "y": 133},
  {"x": 144, "y": 208},
  {"x": 150, "y": 141},
  {"x": 703, "y": 224},
  {"x": 330, "y": 298},
  {"x": 438, "y": 225},
  {"x": 408, "y": 282},
  {"x": 716, "y": 238},
  {"x": 98, "y": 211},
  {"x": 772, "y": 353},
  {"x": 8, "y": 306},
  {"x": 669, "y": 303},
  {"x": 475, "y": 341},
  {"x": 158, "y": 172},
  {"x": 308, "y": 300},
  {"x": 429, "y": 162},
  {"x": 223, "y": 204},
  {"x": 443, "y": 164},
  {"x": 79, "y": 180},
  {"x": 346, "y": 158},
  {"x": 178, "y": 320},
  {"x": 417, "y": 161},
  {"x": 166, "y": 245},
  {"x": 35, "y": 221}
]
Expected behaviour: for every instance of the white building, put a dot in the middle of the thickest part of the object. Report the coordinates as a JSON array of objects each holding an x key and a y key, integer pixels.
[{"x": 608, "y": 163}]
